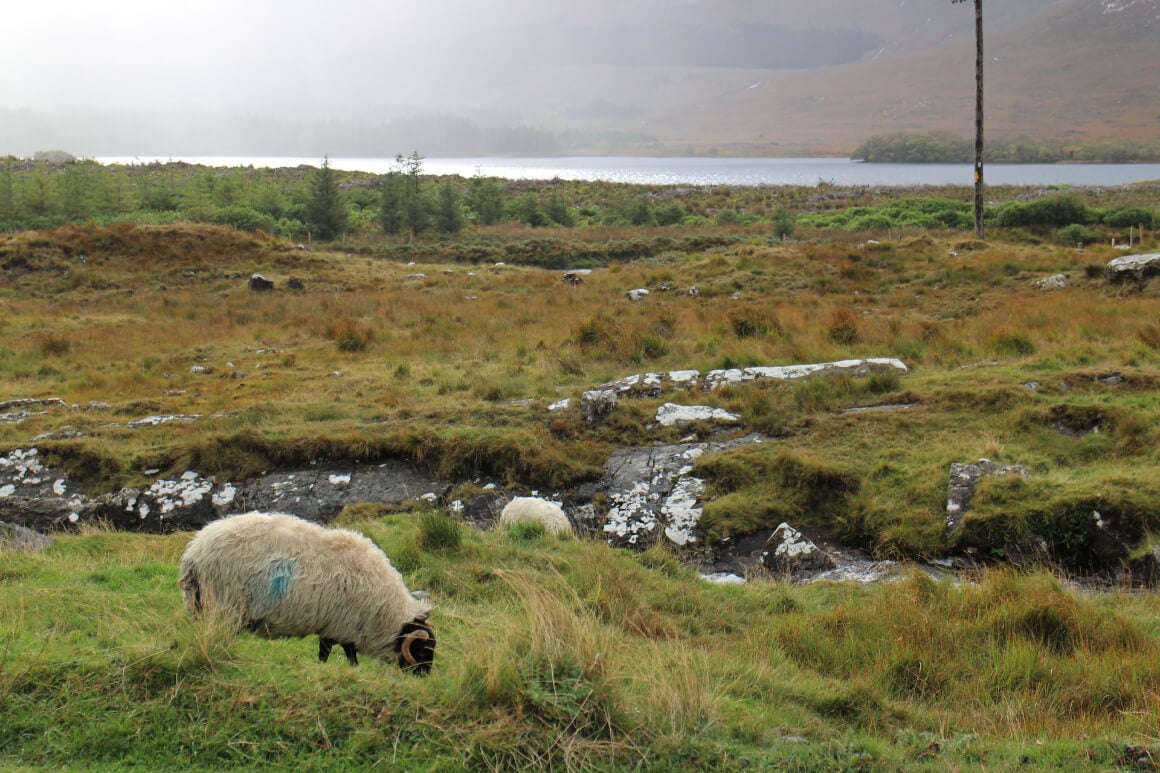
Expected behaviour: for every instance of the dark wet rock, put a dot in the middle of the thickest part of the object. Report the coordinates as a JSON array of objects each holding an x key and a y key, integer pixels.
[
  {"x": 481, "y": 509},
  {"x": 1145, "y": 570},
  {"x": 320, "y": 493},
  {"x": 964, "y": 477},
  {"x": 260, "y": 284},
  {"x": 789, "y": 551},
  {"x": 35, "y": 496}
]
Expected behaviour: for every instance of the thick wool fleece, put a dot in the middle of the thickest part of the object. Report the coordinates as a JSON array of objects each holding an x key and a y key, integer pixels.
[
  {"x": 534, "y": 510},
  {"x": 279, "y": 575}
]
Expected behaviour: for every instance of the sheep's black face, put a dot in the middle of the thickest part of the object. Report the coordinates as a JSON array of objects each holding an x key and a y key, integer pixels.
[{"x": 416, "y": 646}]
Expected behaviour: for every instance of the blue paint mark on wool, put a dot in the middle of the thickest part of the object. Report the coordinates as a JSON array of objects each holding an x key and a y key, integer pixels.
[{"x": 281, "y": 573}]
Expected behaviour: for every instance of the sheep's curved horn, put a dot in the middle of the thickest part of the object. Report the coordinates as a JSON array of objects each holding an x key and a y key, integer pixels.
[{"x": 418, "y": 635}]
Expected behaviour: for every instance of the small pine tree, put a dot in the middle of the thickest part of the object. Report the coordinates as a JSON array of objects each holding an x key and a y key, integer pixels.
[
  {"x": 557, "y": 210},
  {"x": 784, "y": 222},
  {"x": 487, "y": 200},
  {"x": 325, "y": 210},
  {"x": 391, "y": 203},
  {"x": 448, "y": 216},
  {"x": 416, "y": 214},
  {"x": 9, "y": 204},
  {"x": 527, "y": 210}
]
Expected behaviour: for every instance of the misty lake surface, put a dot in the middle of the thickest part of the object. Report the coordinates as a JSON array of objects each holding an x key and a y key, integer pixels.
[{"x": 711, "y": 171}]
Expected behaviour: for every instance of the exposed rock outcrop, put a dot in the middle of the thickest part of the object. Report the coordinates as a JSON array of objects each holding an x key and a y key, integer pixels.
[{"x": 652, "y": 493}]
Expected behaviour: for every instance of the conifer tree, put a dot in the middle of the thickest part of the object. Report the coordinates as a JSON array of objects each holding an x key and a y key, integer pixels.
[
  {"x": 325, "y": 210},
  {"x": 448, "y": 216}
]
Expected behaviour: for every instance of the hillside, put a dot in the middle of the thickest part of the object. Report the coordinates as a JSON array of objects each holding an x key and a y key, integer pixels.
[
  {"x": 561, "y": 654},
  {"x": 1054, "y": 69},
  {"x": 665, "y": 77}
]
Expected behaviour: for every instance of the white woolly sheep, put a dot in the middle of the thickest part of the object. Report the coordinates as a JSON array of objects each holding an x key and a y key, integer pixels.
[
  {"x": 535, "y": 511},
  {"x": 278, "y": 575}
]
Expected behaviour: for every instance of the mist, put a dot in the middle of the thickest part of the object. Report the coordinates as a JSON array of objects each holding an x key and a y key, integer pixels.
[{"x": 461, "y": 77}]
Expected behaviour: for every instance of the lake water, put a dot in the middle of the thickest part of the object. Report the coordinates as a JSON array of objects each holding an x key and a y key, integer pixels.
[{"x": 714, "y": 171}]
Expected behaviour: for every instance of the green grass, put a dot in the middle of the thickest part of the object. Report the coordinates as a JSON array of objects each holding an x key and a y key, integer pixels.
[
  {"x": 572, "y": 655},
  {"x": 567, "y": 654}
]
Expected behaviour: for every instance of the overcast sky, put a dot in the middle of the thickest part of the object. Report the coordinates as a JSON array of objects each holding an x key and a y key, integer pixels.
[{"x": 109, "y": 52}]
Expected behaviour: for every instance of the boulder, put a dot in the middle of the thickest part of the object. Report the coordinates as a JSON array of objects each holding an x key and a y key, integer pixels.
[
  {"x": 260, "y": 284},
  {"x": 18, "y": 539},
  {"x": 598, "y": 404},
  {"x": 1053, "y": 282},
  {"x": 1137, "y": 268}
]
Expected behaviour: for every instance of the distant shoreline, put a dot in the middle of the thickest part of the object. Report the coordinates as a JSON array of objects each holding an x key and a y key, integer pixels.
[{"x": 705, "y": 170}]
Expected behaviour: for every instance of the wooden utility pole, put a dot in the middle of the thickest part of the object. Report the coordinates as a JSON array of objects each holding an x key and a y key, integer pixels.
[{"x": 978, "y": 115}]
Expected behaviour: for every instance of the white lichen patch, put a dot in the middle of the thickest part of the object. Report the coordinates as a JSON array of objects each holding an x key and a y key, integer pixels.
[
  {"x": 631, "y": 515},
  {"x": 168, "y": 495},
  {"x": 682, "y": 510},
  {"x": 671, "y": 414},
  {"x": 224, "y": 496}
]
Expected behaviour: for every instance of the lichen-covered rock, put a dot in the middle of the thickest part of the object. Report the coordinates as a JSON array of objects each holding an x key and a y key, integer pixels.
[
  {"x": 38, "y": 497},
  {"x": 652, "y": 493},
  {"x": 788, "y": 551},
  {"x": 597, "y": 404},
  {"x": 671, "y": 414}
]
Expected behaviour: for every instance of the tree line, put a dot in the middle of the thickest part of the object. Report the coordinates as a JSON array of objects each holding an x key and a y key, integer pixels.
[
  {"x": 325, "y": 203},
  {"x": 950, "y": 148}
]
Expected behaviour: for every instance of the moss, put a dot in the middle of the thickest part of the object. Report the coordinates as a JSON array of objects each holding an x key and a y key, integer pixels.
[{"x": 755, "y": 488}]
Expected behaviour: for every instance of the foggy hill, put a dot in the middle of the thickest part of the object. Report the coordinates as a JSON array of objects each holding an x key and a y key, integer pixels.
[{"x": 639, "y": 76}]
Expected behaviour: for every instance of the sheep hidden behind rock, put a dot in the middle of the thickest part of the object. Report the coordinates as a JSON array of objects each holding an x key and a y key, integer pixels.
[{"x": 533, "y": 510}]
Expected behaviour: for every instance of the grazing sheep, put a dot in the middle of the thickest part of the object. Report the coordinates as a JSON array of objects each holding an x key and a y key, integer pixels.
[
  {"x": 534, "y": 510},
  {"x": 278, "y": 575}
]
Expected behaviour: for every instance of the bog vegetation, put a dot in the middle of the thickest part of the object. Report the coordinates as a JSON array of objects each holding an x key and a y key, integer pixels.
[{"x": 429, "y": 328}]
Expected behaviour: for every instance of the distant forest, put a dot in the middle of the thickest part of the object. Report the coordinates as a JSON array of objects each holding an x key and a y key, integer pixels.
[
  {"x": 947, "y": 148},
  {"x": 357, "y": 134}
]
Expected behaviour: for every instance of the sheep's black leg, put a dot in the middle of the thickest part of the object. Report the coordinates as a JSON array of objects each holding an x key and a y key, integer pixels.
[
  {"x": 351, "y": 654},
  {"x": 324, "y": 646}
]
